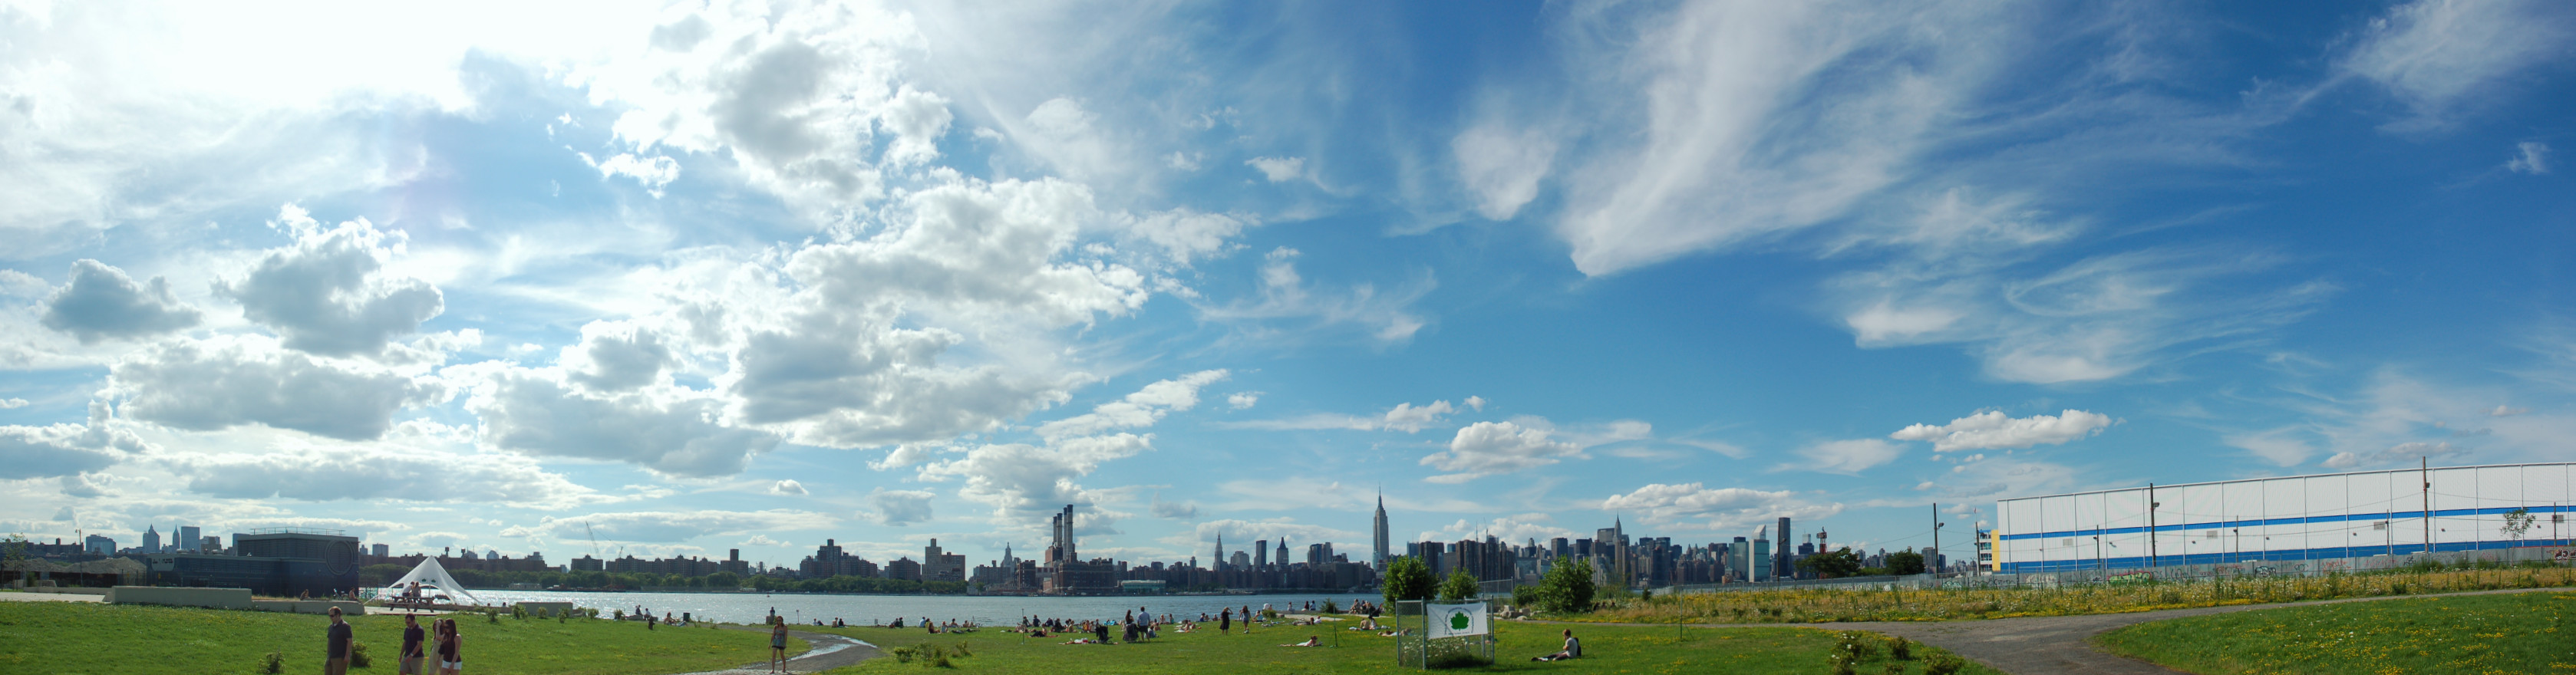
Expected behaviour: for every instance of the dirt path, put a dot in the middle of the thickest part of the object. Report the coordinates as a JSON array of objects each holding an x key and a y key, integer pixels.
[
  {"x": 2044, "y": 645},
  {"x": 829, "y": 651}
]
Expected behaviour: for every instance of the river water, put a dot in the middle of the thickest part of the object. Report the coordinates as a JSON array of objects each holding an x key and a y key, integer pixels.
[{"x": 805, "y": 608}]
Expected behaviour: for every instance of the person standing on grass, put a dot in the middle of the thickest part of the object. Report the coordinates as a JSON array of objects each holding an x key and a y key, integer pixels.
[
  {"x": 411, "y": 652},
  {"x": 451, "y": 652},
  {"x": 336, "y": 662},
  {"x": 1224, "y": 620},
  {"x": 777, "y": 645}
]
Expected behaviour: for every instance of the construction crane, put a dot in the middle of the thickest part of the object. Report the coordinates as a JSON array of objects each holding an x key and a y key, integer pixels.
[{"x": 594, "y": 538}]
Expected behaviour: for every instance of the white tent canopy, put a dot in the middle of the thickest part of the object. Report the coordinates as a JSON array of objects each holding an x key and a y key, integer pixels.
[{"x": 431, "y": 575}]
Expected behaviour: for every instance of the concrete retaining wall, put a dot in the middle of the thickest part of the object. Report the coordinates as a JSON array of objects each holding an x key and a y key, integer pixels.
[
  {"x": 218, "y": 598},
  {"x": 310, "y": 606},
  {"x": 551, "y": 608}
]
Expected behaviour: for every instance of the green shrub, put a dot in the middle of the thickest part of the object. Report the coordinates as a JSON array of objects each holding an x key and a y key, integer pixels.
[
  {"x": 901, "y": 654},
  {"x": 1943, "y": 663},
  {"x": 1900, "y": 649},
  {"x": 273, "y": 663},
  {"x": 1330, "y": 608},
  {"x": 963, "y": 651},
  {"x": 358, "y": 654}
]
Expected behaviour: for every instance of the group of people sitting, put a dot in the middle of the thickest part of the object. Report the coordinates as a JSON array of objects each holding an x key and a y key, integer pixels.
[{"x": 1131, "y": 629}]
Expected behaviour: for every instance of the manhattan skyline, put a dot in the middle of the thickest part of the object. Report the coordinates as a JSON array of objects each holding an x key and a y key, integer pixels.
[{"x": 701, "y": 278}]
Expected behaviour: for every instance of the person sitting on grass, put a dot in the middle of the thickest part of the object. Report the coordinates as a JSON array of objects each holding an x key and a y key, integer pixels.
[
  {"x": 1573, "y": 648},
  {"x": 1311, "y": 641}
]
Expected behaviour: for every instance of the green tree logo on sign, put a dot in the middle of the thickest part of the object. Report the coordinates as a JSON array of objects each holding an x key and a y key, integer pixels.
[{"x": 1458, "y": 620}]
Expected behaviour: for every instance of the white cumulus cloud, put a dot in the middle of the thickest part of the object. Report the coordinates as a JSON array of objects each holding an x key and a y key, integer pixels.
[
  {"x": 2531, "y": 157},
  {"x": 1278, "y": 169},
  {"x": 900, "y": 507},
  {"x": 1993, "y": 429},
  {"x": 327, "y": 294},
  {"x": 1697, "y": 507},
  {"x": 1490, "y": 448},
  {"x": 102, "y": 303},
  {"x": 1845, "y": 456}
]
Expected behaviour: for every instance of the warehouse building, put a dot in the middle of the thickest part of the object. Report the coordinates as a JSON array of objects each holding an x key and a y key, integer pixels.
[{"x": 2359, "y": 515}]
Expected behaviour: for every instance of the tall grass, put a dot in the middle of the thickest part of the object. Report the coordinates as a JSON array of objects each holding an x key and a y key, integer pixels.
[{"x": 1875, "y": 604}]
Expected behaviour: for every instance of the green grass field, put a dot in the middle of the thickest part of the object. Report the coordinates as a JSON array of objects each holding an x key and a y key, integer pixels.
[
  {"x": 1607, "y": 649},
  {"x": 2514, "y": 633},
  {"x": 69, "y": 637}
]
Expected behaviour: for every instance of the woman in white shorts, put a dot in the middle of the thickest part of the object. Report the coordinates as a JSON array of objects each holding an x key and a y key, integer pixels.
[{"x": 451, "y": 653}]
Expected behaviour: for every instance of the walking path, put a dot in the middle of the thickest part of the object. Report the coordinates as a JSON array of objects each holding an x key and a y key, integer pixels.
[
  {"x": 49, "y": 597},
  {"x": 2045, "y": 645},
  {"x": 829, "y": 651}
]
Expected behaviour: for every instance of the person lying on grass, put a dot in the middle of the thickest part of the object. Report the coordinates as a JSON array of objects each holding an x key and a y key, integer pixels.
[{"x": 1311, "y": 641}]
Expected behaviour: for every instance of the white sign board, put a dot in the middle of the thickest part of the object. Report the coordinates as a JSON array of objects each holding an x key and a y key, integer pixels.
[{"x": 1455, "y": 620}]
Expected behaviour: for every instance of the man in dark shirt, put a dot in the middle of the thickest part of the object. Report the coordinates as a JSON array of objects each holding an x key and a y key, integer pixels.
[
  {"x": 411, "y": 651},
  {"x": 337, "y": 662}
]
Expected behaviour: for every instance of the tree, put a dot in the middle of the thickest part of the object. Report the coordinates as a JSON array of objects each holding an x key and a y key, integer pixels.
[
  {"x": 1905, "y": 562},
  {"x": 1831, "y": 564},
  {"x": 1567, "y": 587},
  {"x": 1407, "y": 578},
  {"x": 1460, "y": 587},
  {"x": 2518, "y": 522}
]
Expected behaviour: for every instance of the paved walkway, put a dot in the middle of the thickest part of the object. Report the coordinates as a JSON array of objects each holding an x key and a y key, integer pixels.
[
  {"x": 829, "y": 651},
  {"x": 49, "y": 597},
  {"x": 2045, "y": 645}
]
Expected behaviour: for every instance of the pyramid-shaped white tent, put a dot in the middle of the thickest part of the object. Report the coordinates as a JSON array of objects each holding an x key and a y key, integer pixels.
[{"x": 430, "y": 575}]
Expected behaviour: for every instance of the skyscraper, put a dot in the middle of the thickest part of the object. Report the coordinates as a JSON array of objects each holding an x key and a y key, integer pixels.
[
  {"x": 1380, "y": 535},
  {"x": 1220, "y": 551},
  {"x": 1282, "y": 554},
  {"x": 1780, "y": 557},
  {"x": 1760, "y": 561},
  {"x": 1261, "y": 554},
  {"x": 187, "y": 538},
  {"x": 151, "y": 540}
]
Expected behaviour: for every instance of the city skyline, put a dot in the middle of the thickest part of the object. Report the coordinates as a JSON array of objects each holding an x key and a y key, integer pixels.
[{"x": 692, "y": 279}]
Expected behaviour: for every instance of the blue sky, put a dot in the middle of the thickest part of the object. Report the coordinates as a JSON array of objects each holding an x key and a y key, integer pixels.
[{"x": 752, "y": 276}]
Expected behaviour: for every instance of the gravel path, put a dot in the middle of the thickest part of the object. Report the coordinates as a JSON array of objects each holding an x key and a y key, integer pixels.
[
  {"x": 829, "y": 651},
  {"x": 2044, "y": 645}
]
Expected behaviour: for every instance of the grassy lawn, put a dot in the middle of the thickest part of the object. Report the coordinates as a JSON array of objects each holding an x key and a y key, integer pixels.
[
  {"x": 1818, "y": 605},
  {"x": 69, "y": 637},
  {"x": 2515, "y": 633},
  {"x": 1607, "y": 649}
]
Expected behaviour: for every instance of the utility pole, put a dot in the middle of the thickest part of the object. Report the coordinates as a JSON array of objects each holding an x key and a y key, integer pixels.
[
  {"x": 2151, "y": 525},
  {"x": 2424, "y": 465},
  {"x": 1936, "y": 540}
]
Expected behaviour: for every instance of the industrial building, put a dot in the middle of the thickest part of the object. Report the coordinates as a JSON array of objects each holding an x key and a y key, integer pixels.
[
  {"x": 2295, "y": 518},
  {"x": 279, "y": 561}
]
